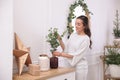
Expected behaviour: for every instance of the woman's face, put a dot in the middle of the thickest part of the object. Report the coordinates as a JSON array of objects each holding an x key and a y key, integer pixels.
[{"x": 79, "y": 26}]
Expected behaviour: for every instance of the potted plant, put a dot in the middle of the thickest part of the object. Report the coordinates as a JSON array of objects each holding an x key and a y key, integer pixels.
[
  {"x": 116, "y": 29},
  {"x": 52, "y": 39},
  {"x": 112, "y": 59}
]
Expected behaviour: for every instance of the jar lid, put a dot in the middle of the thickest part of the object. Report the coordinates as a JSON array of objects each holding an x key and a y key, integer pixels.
[{"x": 43, "y": 55}]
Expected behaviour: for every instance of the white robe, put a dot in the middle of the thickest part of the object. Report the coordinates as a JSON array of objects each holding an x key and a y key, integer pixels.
[{"x": 78, "y": 46}]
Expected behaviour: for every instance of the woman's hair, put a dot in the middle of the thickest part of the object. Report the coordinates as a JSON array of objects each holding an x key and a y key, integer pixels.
[{"x": 86, "y": 25}]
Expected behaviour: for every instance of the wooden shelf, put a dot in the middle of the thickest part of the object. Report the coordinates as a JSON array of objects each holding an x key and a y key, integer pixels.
[
  {"x": 109, "y": 77},
  {"x": 102, "y": 57},
  {"x": 110, "y": 46},
  {"x": 43, "y": 75}
]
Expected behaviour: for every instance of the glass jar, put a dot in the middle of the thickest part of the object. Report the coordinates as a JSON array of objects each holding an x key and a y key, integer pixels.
[{"x": 44, "y": 62}]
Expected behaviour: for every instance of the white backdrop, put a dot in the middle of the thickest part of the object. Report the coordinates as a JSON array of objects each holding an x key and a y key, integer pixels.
[{"x": 33, "y": 18}]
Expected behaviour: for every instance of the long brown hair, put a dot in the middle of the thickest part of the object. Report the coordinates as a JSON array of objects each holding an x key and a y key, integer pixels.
[{"x": 86, "y": 25}]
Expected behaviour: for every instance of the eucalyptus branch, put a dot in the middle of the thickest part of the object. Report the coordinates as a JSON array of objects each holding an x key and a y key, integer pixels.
[{"x": 52, "y": 38}]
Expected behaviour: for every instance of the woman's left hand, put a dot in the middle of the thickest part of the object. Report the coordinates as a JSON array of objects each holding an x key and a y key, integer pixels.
[{"x": 55, "y": 53}]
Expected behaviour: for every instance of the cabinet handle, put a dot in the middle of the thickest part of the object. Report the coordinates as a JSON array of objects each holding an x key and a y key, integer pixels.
[{"x": 65, "y": 79}]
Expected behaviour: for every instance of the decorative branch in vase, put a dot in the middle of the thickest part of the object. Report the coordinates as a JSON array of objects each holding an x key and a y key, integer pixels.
[
  {"x": 116, "y": 22},
  {"x": 52, "y": 39},
  {"x": 116, "y": 29}
]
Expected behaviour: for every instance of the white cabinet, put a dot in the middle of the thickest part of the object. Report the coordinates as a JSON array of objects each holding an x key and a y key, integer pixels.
[{"x": 66, "y": 76}]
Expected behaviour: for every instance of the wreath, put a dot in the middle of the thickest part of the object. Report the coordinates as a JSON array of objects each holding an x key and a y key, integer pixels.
[{"x": 72, "y": 15}]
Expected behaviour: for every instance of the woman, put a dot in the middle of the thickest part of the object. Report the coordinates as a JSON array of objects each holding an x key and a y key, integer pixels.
[{"x": 77, "y": 47}]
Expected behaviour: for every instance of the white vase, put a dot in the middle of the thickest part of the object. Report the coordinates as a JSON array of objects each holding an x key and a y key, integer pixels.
[
  {"x": 115, "y": 71},
  {"x": 116, "y": 42}
]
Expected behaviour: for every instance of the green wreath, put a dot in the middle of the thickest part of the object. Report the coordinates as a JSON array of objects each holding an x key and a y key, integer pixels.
[{"x": 72, "y": 16}]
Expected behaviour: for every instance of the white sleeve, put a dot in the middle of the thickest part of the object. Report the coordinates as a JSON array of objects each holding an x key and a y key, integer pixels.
[
  {"x": 80, "y": 53},
  {"x": 66, "y": 43}
]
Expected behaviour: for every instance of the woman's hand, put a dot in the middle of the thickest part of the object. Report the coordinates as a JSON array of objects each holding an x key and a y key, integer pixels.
[
  {"x": 55, "y": 53},
  {"x": 59, "y": 37}
]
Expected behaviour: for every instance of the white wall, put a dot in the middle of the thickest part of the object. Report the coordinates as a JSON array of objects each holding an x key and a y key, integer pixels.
[
  {"x": 33, "y": 18},
  {"x": 101, "y": 26},
  {"x": 6, "y": 39}
]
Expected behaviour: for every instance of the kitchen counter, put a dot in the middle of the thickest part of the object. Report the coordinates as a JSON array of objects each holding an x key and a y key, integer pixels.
[{"x": 43, "y": 75}]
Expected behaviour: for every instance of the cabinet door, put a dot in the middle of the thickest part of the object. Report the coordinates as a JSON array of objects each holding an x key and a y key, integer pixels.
[{"x": 67, "y": 76}]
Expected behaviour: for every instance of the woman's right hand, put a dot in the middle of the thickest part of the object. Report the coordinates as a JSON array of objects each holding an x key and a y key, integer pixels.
[{"x": 55, "y": 53}]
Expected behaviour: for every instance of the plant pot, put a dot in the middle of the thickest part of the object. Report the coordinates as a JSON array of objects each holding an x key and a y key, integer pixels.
[
  {"x": 115, "y": 71},
  {"x": 54, "y": 62},
  {"x": 116, "y": 41}
]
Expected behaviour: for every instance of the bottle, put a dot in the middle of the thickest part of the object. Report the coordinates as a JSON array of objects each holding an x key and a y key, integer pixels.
[{"x": 44, "y": 62}]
